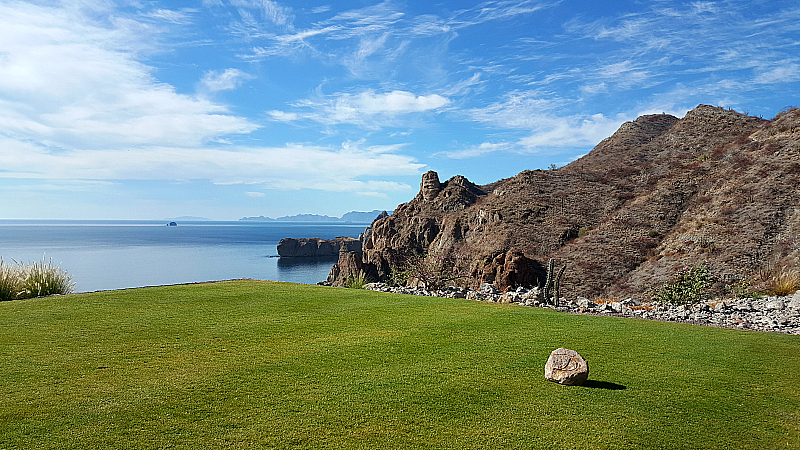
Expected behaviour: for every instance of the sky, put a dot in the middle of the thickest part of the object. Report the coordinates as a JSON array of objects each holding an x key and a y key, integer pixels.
[{"x": 230, "y": 108}]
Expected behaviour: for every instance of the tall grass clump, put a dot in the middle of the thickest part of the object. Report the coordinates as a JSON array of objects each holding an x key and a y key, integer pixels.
[
  {"x": 785, "y": 281},
  {"x": 9, "y": 281},
  {"x": 358, "y": 281},
  {"x": 38, "y": 279}
]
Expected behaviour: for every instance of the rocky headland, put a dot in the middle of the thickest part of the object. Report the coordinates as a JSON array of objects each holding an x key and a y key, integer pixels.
[
  {"x": 316, "y": 247},
  {"x": 661, "y": 193}
]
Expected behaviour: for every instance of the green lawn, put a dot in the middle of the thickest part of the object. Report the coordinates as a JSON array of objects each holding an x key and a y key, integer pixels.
[{"x": 252, "y": 364}]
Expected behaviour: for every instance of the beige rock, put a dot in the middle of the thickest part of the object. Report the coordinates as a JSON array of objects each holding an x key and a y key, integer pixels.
[
  {"x": 794, "y": 303},
  {"x": 430, "y": 185},
  {"x": 566, "y": 367}
]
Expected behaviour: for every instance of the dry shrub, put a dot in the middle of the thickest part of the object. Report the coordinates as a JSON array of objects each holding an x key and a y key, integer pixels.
[{"x": 785, "y": 281}]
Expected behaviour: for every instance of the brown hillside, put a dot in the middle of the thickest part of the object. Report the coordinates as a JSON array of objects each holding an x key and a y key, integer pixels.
[{"x": 660, "y": 193}]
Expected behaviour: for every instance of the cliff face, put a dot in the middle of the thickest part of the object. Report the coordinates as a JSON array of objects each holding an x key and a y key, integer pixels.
[{"x": 660, "y": 193}]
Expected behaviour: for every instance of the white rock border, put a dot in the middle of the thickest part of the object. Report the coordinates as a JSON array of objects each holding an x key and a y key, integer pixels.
[{"x": 772, "y": 314}]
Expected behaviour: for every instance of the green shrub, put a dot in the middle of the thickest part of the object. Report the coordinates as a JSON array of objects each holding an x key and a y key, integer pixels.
[
  {"x": 398, "y": 275},
  {"x": 690, "y": 285},
  {"x": 583, "y": 231}
]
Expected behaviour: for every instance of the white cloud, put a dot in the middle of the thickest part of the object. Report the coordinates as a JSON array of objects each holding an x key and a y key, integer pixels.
[
  {"x": 77, "y": 107},
  {"x": 280, "y": 116},
  {"x": 519, "y": 110},
  {"x": 549, "y": 128},
  {"x": 496, "y": 10},
  {"x": 571, "y": 132},
  {"x": 625, "y": 74},
  {"x": 255, "y": 194},
  {"x": 399, "y": 102},
  {"x": 230, "y": 79},
  {"x": 594, "y": 88},
  {"x": 367, "y": 109},
  {"x": 68, "y": 83}
]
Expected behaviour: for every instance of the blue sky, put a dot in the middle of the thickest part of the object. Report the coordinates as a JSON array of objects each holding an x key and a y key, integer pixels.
[{"x": 233, "y": 108}]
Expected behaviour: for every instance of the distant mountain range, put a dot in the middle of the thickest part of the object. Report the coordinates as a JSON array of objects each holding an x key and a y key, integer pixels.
[
  {"x": 352, "y": 216},
  {"x": 188, "y": 219}
]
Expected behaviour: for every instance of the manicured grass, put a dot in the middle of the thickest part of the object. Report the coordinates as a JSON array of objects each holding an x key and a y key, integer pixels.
[{"x": 250, "y": 364}]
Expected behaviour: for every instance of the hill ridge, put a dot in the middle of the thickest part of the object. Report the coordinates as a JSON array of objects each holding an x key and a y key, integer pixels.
[{"x": 659, "y": 193}]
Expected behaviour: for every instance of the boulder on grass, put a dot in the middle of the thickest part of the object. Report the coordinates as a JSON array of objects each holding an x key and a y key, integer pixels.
[{"x": 566, "y": 367}]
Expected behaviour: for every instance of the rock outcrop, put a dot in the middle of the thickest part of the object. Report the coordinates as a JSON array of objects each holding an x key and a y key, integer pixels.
[{"x": 316, "y": 247}]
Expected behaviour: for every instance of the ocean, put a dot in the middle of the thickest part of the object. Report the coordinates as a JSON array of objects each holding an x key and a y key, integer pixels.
[{"x": 103, "y": 255}]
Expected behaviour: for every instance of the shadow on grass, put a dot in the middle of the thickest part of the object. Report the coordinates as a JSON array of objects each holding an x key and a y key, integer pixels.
[{"x": 594, "y": 384}]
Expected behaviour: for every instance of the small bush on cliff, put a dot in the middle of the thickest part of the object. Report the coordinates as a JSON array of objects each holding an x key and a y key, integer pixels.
[{"x": 690, "y": 285}]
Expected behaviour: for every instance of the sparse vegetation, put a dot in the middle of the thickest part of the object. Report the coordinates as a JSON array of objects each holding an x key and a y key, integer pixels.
[
  {"x": 743, "y": 289},
  {"x": 36, "y": 279},
  {"x": 433, "y": 270}
]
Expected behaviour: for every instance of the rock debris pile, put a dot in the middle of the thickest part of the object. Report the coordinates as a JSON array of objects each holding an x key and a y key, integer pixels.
[{"x": 773, "y": 314}]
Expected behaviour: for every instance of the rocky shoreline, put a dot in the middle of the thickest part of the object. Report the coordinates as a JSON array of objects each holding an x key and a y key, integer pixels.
[{"x": 771, "y": 314}]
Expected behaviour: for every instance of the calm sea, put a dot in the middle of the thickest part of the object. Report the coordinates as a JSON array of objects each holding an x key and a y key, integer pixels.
[{"x": 103, "y": 255}]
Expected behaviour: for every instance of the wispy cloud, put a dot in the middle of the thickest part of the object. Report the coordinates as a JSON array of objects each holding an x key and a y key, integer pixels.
[
  {"x": 482, "y": 149},
  {"x": 378, "y": 25},
  {"x": 496, "y": 10},
  {"x": 172, "y": 16},
  {"x": 717, "y": 39},
  {"x": 286, "y": 167},
  {"x": 266, "y": 10}
]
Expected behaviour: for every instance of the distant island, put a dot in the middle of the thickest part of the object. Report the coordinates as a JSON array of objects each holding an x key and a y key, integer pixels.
[{"x": 352, "y": 216}]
